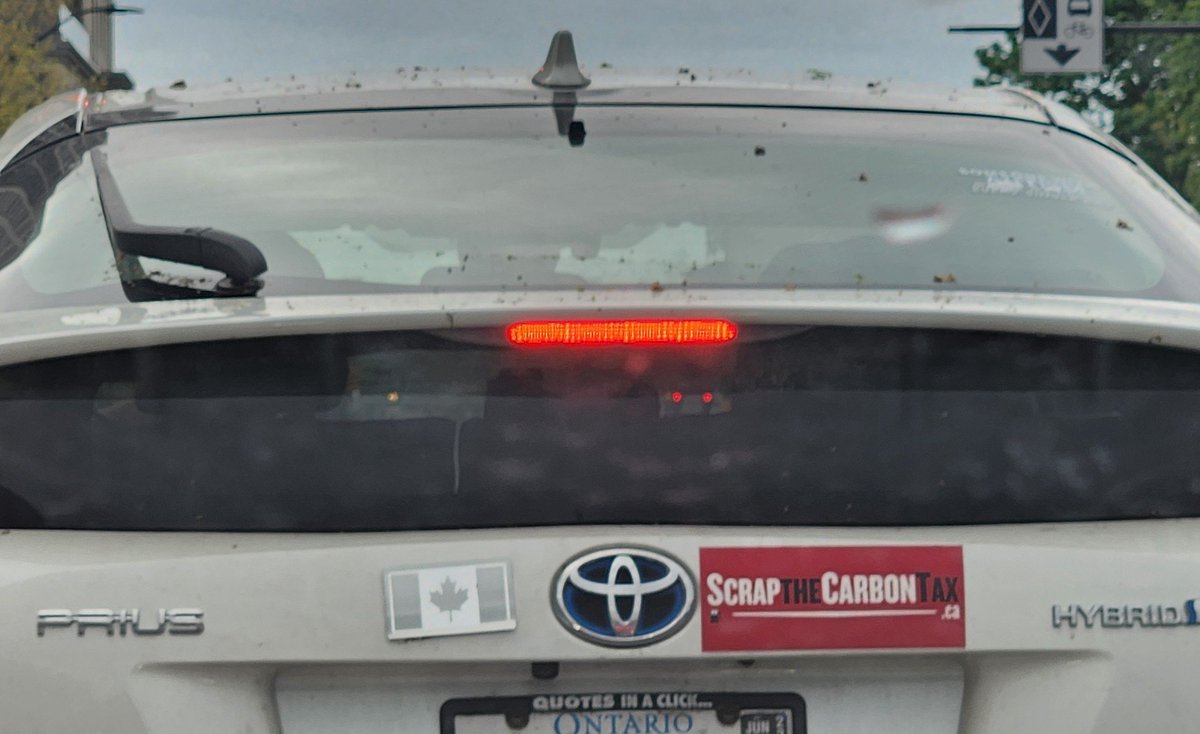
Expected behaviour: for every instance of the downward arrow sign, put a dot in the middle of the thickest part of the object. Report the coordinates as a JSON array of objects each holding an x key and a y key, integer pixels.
[{"x": 1062, "y": 54}]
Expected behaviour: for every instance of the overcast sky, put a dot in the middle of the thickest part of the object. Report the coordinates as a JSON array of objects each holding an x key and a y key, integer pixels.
[{"x": 209, "y": 40}]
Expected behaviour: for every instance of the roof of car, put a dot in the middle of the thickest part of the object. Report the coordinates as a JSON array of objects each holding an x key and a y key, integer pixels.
[
  {"x": 423, "y": 88},
  {"x": 420, "y": 87}
]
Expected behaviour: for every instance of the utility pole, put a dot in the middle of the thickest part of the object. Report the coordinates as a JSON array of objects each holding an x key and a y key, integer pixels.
[
  {"x": 96, "y": 18},
  {"x": 99, "y": 27}
]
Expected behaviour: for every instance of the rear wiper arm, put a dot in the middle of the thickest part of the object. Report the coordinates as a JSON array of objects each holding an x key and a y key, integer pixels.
[{"x": 239, "y": 259}]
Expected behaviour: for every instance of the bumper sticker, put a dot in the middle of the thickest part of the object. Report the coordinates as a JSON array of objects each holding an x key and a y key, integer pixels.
[
  {"x": 436, "y": 601},
  {"x": 827, "y": 598}
]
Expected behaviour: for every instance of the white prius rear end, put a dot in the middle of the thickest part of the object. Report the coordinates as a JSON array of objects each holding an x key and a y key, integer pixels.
[{"x": 724, "y": 411}]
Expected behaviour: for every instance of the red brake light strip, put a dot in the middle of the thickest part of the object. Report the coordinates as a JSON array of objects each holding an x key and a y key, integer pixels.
[{"x": 633, "y": 332}]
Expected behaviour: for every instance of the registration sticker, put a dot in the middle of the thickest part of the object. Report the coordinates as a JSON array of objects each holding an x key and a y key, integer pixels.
[
  {"x": 641, "y": 712},
  {"x": 831, "y": 598}
]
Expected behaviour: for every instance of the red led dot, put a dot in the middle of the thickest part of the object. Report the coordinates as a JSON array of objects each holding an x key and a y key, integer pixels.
[
  {"x": 706, "y": 397},
  {"x": 677, "y": 397}
]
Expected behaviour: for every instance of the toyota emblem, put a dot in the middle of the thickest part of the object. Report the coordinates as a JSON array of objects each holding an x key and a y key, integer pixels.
[{"x": 623, "y": 596}]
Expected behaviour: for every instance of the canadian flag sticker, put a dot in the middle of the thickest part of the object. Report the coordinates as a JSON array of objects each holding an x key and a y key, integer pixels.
[
  {"x": 832, "y": 597},
  {"x": 434, "y": 601}
]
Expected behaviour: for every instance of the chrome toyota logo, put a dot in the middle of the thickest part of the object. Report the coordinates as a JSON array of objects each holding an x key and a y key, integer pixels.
[{"x": 623, "y": 597}]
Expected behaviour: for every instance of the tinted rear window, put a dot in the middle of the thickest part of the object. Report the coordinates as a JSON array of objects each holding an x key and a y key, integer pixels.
[{"x": 820, "y": 426}]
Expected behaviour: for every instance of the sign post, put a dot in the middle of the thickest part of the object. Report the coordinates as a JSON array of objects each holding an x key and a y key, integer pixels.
[{"x": 1062, "y": 36}]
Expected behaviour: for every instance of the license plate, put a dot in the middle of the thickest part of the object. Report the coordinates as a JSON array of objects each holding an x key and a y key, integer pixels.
[{"x": 623, "y": 713}]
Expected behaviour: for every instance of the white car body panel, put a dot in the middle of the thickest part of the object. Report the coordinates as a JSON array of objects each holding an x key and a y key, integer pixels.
[
  {"x": 33, "y": 123},
  {"x": 294, "y": 638},
  {"x": 31, "y": 335}
]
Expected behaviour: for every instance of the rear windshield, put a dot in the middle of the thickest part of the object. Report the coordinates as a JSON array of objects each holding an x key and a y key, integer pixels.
[
  {"x": 818, "y": 426},
  {"x": 467, "y": 199}
]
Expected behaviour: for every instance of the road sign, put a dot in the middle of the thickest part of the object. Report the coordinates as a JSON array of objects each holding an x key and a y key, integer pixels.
[{"x": 1062, "y": 36}]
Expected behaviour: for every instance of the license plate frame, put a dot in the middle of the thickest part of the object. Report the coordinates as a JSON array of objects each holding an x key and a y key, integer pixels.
[{"x": 734, "y": 710}]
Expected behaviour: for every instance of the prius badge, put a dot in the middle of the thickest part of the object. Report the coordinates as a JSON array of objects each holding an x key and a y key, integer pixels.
[
  {"x": 123, "y": 621},
  {"x": 623, "y": 596}
]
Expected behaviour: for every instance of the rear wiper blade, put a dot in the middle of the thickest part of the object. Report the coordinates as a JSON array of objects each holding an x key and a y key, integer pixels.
[{"x": 239, "y": 259}]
